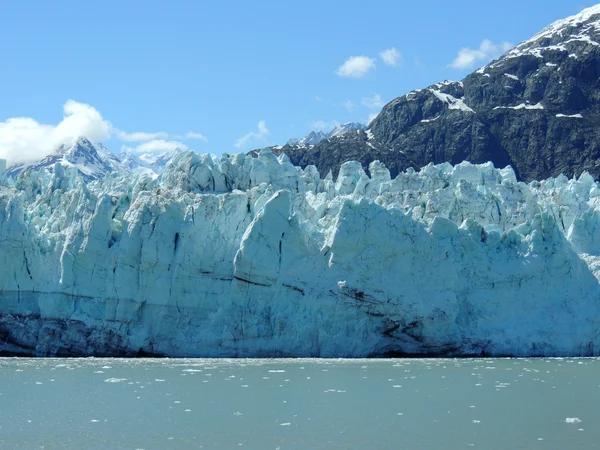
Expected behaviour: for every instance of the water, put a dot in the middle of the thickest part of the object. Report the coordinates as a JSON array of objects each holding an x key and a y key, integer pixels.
[{"x": 287, "y": 404}]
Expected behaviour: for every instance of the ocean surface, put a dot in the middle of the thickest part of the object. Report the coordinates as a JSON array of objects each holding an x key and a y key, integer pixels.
[{"x": 97, "y": 403}]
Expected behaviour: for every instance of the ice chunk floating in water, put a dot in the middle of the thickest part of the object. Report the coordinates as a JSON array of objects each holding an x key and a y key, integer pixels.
[
  {"x": 573, "y": 420},
  {"x": 241, "y": 256}
]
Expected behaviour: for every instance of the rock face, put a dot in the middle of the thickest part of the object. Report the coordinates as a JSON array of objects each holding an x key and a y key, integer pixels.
[
  {"x": 244, "y": 256},
  {"x": 536, "y": 108}
]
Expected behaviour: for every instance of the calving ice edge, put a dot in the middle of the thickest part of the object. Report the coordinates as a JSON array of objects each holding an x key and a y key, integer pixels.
[{"x": 242, "y": 256}]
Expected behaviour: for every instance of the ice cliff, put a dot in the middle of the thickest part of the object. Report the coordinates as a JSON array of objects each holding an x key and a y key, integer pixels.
[{"x": 241, "y": 256}]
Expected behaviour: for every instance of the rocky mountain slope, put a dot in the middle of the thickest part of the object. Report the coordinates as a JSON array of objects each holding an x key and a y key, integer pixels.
[{"x": 536, "y": 108}]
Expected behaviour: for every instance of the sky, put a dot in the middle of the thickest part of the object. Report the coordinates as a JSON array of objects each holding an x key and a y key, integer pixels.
[{"x": 231, "y": 76}]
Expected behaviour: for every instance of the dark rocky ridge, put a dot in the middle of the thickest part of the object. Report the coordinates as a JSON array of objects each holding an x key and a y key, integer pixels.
[{"x": 536, "y": 108}]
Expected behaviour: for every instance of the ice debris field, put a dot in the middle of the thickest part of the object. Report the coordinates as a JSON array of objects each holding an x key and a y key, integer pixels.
[{"x": 242, "y": 256}]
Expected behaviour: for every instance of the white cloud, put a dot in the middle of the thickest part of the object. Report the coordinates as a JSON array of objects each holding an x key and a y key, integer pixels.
[
  {"x": 419, "y": 64},
  {"x": 253, "y": 136},
  {"x": 323, "y": 125},
  {"x": 391, "y": 57},
  {"x": 371, "y": 117},
  {"x": 156, "y": 145},
  {"x": 194, "y": 135},
  {"x": 349, "y": 105},
  {"x": 22, "y": 139},
  {"x": 468, "y": 57},
  {"x": 372, "y": 102},
  {"x": 140, "y": 136},
  {"x": 356, "y": 67}
]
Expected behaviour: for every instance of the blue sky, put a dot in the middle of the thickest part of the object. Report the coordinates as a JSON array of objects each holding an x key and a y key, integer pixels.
[{"x": 233, "y": 72}]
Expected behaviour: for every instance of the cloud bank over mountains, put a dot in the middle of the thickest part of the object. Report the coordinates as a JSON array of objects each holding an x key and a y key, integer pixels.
[
  {"x": 467, "y": 57},
  {"x": 24, "y": 140}
]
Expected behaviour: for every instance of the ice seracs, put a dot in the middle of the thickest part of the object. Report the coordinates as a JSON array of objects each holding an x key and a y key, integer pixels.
[{"x": 242, "y": 256}]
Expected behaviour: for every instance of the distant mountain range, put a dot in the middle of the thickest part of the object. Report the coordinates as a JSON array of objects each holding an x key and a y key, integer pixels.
[
  {"x": 94, "y": 161},
  {"x": 314, "y": 137},
  {"x": 537, "y": 108}
]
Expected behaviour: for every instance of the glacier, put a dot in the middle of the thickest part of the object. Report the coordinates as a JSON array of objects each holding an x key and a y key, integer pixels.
[{"x": 236, "y": 256}]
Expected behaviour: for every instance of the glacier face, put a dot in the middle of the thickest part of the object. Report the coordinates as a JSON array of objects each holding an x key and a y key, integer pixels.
[{"x": 242, "y": 256}]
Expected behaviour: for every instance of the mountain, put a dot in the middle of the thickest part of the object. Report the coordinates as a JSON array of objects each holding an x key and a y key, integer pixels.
[
  {"x": 315, "y": 137},
  {"x": 536, "y": 108},
  {"x": 151, "y": 163},
  {"x": 312, "y": 138},
  {"x": 340, "y": 130},
  {"x": 92, "y": 161},
  {"x": 253, "y": 257}
]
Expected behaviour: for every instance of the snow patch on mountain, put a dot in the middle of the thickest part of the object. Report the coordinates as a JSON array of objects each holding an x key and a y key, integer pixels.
[
  {"x": 522, "y": 106},
  {"x": 452, "y": 102},
  {"x": 573, "y": 116}
]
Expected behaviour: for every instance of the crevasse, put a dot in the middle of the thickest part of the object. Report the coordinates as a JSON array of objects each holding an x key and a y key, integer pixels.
[{"x": 251, "y": 257}]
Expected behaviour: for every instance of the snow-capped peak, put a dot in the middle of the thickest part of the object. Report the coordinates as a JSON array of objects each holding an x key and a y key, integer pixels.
[
  {"x": 340, "y": 130},
  {"x": 154, "y": 161},
  {"x": 572, "y": 35},
  {"x": 92, "y": 160},
  {"x": 572, "y": 21},
  {"x": 314, "y": 137}
]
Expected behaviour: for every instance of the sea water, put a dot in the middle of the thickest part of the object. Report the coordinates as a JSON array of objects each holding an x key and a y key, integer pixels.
[{"x": 299, "y": 403}]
